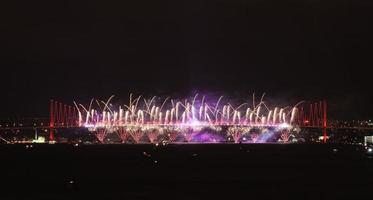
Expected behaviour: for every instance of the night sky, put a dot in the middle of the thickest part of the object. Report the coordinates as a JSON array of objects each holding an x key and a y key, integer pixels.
[{"x": 292, "y": 50}]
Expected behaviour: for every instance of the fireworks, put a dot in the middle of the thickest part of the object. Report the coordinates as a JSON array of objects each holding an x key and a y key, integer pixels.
[
  {"x": 197, "y": 112},
  {"x": 189, "y": 120}
]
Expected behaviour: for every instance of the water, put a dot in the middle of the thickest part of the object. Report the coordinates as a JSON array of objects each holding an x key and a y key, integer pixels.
[{"x": 270, "y": 171}]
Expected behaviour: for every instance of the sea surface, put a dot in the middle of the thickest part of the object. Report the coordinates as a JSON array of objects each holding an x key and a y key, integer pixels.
[{"x": 186, "y": 171}]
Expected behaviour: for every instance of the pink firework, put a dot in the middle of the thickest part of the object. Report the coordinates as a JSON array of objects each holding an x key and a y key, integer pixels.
[
  {"x": 152, "y": 135},
  {"x": 254, "y": 137},
  {"x": 123, "y": 134},
  {"x": 285, "y": 136},
  {"x": 188, "y": 134},
  {"x": 236, "y": 134},
  {"x": 136, "y": 135},
  {"x": 189, "y": 112},
  {"x": 101, "y": 134},
  {"x": 172, "y": 135}
]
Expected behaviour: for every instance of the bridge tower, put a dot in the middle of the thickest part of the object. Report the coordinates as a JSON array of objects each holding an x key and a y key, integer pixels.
[
  {"x": 315, "y": 116},
  {"x": 324, "y": 120},
  {"x": 61, "y": 115},
  {"x": 51, "y": 122}
]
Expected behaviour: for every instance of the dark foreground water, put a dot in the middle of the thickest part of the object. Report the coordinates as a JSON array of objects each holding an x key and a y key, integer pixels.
[{"x": 206, "y": 171}]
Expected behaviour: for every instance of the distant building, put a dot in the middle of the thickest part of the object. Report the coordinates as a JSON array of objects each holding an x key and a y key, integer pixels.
[{"x": 368, "y": 140}]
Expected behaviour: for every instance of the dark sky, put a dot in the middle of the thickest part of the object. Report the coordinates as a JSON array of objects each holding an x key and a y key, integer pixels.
[{"x": 292, "y": 50}]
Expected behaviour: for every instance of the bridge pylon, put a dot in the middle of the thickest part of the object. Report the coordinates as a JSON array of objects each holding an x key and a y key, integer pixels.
[{"x": 61, "y": 115}]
